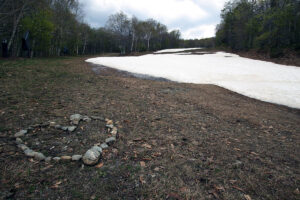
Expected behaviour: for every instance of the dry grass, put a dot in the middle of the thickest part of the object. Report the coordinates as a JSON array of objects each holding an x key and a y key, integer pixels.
[{"x": 189, "y": 138}]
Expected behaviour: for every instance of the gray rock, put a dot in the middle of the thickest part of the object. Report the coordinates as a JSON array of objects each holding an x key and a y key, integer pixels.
[
  {"x": 71, "y": 128},
  {"x": 104, "y": 146},
  {"x": 86, "y": 119},
  {"x": 91, "y": 157},
  {"x": 39, "y": 156},
  {"x": 48, "y": 159},
  {"x": 75, "y": 119},
  {"x": 64, "y": 128},
  {"x": 110, "y": 140},
  {"x": 110, "y": 126},
  {"x": 76, "y": 157},
  {"x": 28, "y": 152},
  {"x": 56, "y": 159},
  {"x": 23, "y": 147},
  {"x": 97, "y": 148},
  {"x": 21, "y": 133},
  {"x": 58, "y": 126},
  {"x": 19, "y": 141}
]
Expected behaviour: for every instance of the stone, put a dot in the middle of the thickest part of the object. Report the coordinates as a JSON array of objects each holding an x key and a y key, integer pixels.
[
  {"x": 64, "y": 128},
  {"x": 76, "y": 157},
  {"x": 86, "y": 119},
  {"x": 56, "y": 159},
  {"x": 104, "y": 146},
  {"x": 91, "y": 157},
  {"x": 58, "y": 126},
  {"x": 52, "y": 124},
  {"x": 23, "y": 147},
  {"x": 71, "y": 128},
  {"x": 21, "y": 133},
  {"x": 48, "y": 159},
  {"x": 75, "y": 119},
  {"x": 39, "y": 156},
  {"x": 110, "y": 126},
  {"x": 66, "y": 157},
  {"x": 19, "y": 141},
  {"x": 97, "y": 148},
  {"x": 110, "y": 140},
  {"x": 114, "y": 130},
  {"x": 28, "y": 152}
]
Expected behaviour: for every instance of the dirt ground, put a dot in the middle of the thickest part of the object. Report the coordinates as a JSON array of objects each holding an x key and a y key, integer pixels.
[{"x": 177, "y": 141}]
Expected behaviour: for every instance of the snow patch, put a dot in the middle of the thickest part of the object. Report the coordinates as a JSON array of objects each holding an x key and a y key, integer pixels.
[
  {"x": 175, "y": 50},
  {"x": 262, "y": 80}
]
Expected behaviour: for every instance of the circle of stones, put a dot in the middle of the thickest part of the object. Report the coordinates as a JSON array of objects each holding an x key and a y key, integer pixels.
[{"x": 92, "y": 155}]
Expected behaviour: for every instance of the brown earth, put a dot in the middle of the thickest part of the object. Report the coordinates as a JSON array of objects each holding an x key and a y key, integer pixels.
[{"x": 177, "y": 141}]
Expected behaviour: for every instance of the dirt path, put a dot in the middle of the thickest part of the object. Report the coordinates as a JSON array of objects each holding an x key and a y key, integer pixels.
[{"x": 177, "y": 141}]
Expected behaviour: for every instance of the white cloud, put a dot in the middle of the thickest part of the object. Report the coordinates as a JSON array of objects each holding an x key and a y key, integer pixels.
[
  {"x": 187, "y": 15},
  {"x": 202, "y": 31}
]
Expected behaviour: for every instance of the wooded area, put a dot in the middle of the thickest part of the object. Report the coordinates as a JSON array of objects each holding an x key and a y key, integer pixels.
[
  {"x": 56, "y": 27},
  {"x": 270, "y": 26}
]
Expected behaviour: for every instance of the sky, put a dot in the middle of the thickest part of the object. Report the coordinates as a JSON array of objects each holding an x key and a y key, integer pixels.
[{"x": 194, "y": 18}]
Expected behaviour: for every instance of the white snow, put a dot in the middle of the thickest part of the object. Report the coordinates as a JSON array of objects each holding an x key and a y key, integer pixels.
[
  {"x": 175, "y": 50},
  {"x": 262, "y": 80}
]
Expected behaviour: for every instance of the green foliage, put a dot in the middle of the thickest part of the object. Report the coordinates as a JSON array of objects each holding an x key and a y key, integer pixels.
[
  {"x": 269, "y": 25},
  {"x": 40, "y": 26}
]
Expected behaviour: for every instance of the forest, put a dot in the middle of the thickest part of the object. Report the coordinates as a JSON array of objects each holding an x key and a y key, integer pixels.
[
  {"x": 56, "y": 27},
  {"x": 270, "y": 26}
]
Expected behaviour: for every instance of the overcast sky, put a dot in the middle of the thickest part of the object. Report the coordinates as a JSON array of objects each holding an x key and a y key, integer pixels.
[{"x": 194, "y": 18}]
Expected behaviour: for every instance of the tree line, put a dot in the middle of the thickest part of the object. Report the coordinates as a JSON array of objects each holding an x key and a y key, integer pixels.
[
  {"x": 56, "y": 27},
  {"x": 270, "y": 26}
]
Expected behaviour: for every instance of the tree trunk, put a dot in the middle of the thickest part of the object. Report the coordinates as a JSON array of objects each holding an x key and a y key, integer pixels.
[
  {"x": 15, "y": 26},
  {"x": 132, "y": 42},
  {"x": 148, "y": 42},
  {"x": 84, "y": 46}
]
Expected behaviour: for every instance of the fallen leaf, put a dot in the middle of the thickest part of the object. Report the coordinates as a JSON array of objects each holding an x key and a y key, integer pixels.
[
  {"x": 156, "y": 169},
  {"x": 56, "y": 185},
  {"x": 236, "y": 149},
  {"x": 99, "y": 165},
  {"x": 232, "y": 181},
  {"x": 142, "y": 180},
  {"x": 221, "y": 188},
  {"x": 184, "y": 189},
  {"x": 253, "y": 153},
  {"x": 156, "y": 154},
  {"x": 247, "y": 197},
  {"x": 238, "y": 188},
  {"x": 48, "y": 167},
  {"x": 148, "y": 146},
  {"x": 143, "y": 164},
  {"x": 173, "y": 196}
]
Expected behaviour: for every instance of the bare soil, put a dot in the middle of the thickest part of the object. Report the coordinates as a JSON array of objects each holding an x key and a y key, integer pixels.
[{"x": 177, "y": 141}]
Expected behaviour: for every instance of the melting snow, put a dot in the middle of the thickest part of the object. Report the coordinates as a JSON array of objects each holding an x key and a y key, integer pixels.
[
  {"x": 175, "y": 50},
  {"x": 262, "y": 80}
]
